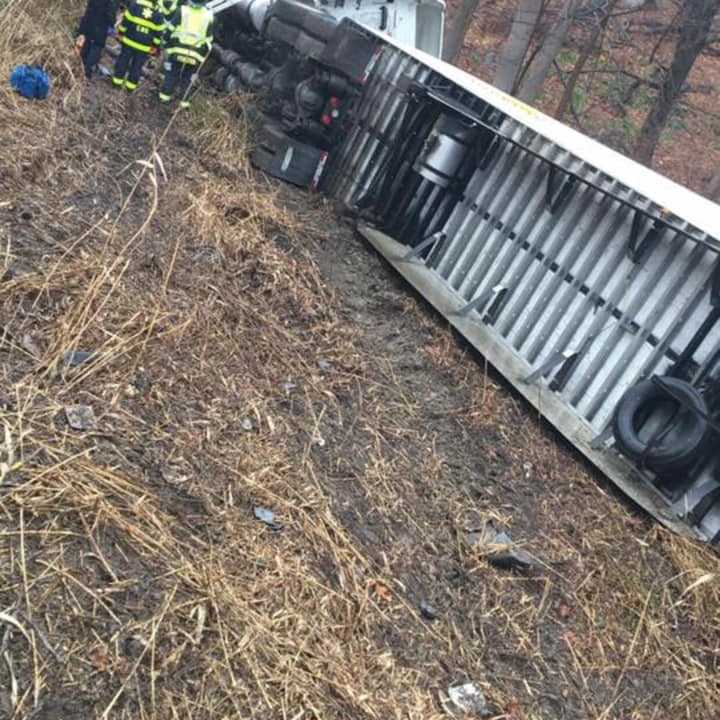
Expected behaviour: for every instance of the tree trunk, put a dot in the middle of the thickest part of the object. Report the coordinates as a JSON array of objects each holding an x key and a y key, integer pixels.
[
  {"x": 695, "y": 22},
  {"x": 713, "y": 188},
  {"x": 458, "y": 29},
  {"x": 551, "y": 46},
  {"x": 516, "y": 46},
  {"x": 587, "y": 51}
]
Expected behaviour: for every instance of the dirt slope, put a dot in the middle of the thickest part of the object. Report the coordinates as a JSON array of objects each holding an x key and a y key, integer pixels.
[{"x": 252, "y": 351}]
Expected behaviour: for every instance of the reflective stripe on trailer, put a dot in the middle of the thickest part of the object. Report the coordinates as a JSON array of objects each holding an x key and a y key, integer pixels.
[{"x": 319, "y": 171}]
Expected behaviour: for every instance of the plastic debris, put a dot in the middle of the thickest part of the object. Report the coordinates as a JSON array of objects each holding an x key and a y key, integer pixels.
[
  {"x": 81, "y": 417},
  {"x": 288, "y": 386},
  {"x": 73, "y": 358},
  {"x": 324, "y": 365},
  {"x": 428, "y": 611},
  {"x": 510, "y": 557},
  {"x": 266, "y": 516},
  {"x": 501, "y": 551},
  {"x": 247, "y": 424},
  {"x": 468, "y": 699},
  {"x": 30, "y": 81}
]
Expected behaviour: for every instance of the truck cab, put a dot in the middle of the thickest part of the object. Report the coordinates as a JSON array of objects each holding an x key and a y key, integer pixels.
[{"x": 418, "y": 24}]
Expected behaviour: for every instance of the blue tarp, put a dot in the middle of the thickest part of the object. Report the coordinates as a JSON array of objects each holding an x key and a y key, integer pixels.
[{"x": 30, "y": 81}]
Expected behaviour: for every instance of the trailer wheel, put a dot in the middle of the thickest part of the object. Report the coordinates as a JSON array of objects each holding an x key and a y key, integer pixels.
[{"x": 686, "y": 438}]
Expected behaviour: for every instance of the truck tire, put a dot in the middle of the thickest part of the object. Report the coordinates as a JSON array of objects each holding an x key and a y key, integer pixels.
[
  {"x": 281, "y": 32},
  {"x": 310, "y": 20},
  {"x": 684, "y": 442}
]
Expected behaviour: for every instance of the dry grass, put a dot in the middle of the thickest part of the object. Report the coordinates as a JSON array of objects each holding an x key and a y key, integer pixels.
[{"x": 135, "y": 581}]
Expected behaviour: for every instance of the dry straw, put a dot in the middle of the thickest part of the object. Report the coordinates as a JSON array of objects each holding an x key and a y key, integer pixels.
[{"x": 135, "y": 581}]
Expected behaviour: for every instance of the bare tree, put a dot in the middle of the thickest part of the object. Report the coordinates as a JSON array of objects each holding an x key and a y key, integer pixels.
[
  {"x": 713, "y": 187},
  {"x": 458, "y": 29},
  {"x": 695, "y": 25},
  {"x": 542, "y": 61},
  {"x": 516, "y": 46},
  {"x": 589, "y": 48}
]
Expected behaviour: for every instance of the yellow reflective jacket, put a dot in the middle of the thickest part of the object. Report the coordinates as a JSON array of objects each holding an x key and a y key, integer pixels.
[{"x": 190, "y": 34}]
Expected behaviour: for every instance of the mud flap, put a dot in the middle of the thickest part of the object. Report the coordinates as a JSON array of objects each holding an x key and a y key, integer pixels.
[{"x": 288, "y": 159}]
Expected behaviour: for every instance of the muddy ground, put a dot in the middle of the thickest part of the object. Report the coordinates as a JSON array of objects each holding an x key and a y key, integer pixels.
[{"x": 251, "y": 351}]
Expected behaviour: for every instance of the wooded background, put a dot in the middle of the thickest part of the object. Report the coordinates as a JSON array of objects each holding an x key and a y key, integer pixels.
[{"x": 642, "y": 76}]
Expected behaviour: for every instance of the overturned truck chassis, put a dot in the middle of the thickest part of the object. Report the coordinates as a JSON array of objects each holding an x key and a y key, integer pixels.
[{"x": 591, "y": 283}]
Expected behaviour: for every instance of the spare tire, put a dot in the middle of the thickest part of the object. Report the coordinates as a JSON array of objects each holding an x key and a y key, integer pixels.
[{"x": 679, "y": 445}]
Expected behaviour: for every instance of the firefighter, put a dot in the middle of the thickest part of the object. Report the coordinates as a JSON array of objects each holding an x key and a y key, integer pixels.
[
  {"x": 98, "y": 20},
  {"x": 188, "y": 43},
  {"x": 169, "y": 7},
  {"x": 140, "y": 31}
]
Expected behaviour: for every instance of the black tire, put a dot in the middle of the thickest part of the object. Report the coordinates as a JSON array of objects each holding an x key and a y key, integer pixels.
[
  {"x": 314, "y": 22},
  {"x": 681, "y": 445}
]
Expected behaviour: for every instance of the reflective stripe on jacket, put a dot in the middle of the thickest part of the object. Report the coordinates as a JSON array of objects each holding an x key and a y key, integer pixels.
[
  {"x": 142, "y": 26},
  {"x": 168, "y": 7},
  {"x": 191, "y": 37}
]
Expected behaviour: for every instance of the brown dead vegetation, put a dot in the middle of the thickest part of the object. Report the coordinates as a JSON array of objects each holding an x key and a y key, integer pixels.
[{"x": 250, "y": 352}]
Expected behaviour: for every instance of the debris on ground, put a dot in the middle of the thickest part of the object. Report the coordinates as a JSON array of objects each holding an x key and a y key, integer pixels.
[
  {"x": 247, "y": 424},
  {"x": 499, "y": 548},
  {"x": 428, "y": 611},
  {"x": 30, "y": 81},
  {"x": 266, "y": 516},
  {"x": 173, "y": 476},
  {"x": 73, "y": 358},
  {"x": 81, "y": 417},
  {"x": 380, "y": 591},
  {"x": 467, "y": 699},
  {"x": 325, "y": 365}
]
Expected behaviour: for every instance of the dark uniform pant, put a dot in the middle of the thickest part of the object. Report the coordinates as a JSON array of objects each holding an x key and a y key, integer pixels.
[
  {"x": 128, "y": 67},
  {"x": 178, "y": 77},
  {"x": 90, "y": 54}
]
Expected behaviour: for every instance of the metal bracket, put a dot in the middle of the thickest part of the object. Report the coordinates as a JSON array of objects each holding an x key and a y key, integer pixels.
[
  {"x": 601, "y": 439},
  {"x": 638, "y": 249},
  {"x": 480, "y": 301},
  {"x": 715, "y": 285},
  {"x": 484, "y": 157},
  {"x": 556, "y": 197},
  {"x": 708, "y": 493},
  {"x": 555, "y": 359},
  {"x": 418, "y": 249}
]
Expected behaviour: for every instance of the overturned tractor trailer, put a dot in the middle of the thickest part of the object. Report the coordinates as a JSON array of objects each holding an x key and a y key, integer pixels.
[{"x": 590, "y": 282}]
